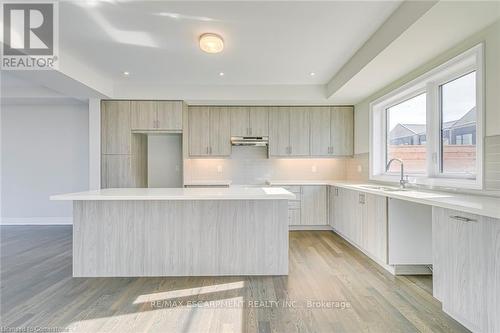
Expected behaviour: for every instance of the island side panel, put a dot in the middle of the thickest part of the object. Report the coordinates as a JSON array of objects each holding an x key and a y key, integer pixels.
[{"x": 180, "y": 238}]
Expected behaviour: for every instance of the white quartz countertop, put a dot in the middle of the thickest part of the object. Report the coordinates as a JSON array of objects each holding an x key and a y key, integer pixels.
[
  {"x": 224, "y": 182},
  {"x": 223, "y": 193},
  {"x": 469, "y": 203}
]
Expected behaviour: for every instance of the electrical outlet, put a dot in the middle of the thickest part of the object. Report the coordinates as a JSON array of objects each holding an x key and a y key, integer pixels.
[
  {"x": 314, "y": 169},
  {"x": 219, "y": 169},
  {"x": 360, "y": 168}
]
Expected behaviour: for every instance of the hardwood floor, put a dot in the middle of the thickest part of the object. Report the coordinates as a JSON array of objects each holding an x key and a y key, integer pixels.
[{"x": 349, "y": 292}]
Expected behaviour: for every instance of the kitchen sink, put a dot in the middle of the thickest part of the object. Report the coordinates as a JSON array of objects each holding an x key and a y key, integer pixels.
[{"x": 383, "y": 188}]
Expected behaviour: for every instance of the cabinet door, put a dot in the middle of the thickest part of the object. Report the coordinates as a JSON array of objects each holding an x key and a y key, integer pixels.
[
  {"x": 353, "y": 212},
  {"x": 294, "y": 217},
  {"x": 313, "y": 205},
  {"x": 239, "y": 121},
  {"x": 169, "y": 115},
  {"x": 333, "y": 198},
  {"x": 320, "y": 131},
  {"x": 342, "y": 130},
  {"x": 259, "y": 121},
  {"x": 116, "y": 171},
  {"x": 115, "y": 124},
  {"x": 143, "y": 115},
  {"x": 464, "y": 289},
  {"x": 374, "y": 227},
  {"x": 220, "y": 131},
  {"x": 199, "y": 133},
  {"x": 279, "y": 131},
  {"x": 299, "y": 131},
  {"x": 492, "y": 251}
]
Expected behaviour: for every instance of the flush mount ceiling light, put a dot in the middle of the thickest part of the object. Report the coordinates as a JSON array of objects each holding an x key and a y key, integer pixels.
[
  {"x": 211, "y": 43},
  {"x": 126, "y": 73}
]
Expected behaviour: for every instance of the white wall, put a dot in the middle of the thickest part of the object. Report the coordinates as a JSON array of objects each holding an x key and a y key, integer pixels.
[
  {"x": 45, "y": 150},
  {"x": 491, "y": 38},
  {"x": 164, "y": 160}
]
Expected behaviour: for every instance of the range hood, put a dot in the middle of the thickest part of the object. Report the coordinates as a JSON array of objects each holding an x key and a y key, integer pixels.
[{"x": 255, "y": 141}]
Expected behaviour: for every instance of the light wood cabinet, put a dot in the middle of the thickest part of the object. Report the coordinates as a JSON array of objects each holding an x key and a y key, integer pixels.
[
  {"x": 115, "y": 127},
  {"x": 289, "y": 131},
  {"x": 239, "y": 121},
  {"x": 374, "y": 226},
  {"x": 342, "y": 130},
  {"x": 220, "y": 135},
  {"x": 362, "y": 219},
  {"x": 209, "y": 131},
  {"x": 299, "y": 131},
  {"x": 279, "y": 131},
  {"x": 464, "y": 248},
  {"x": 249, "y": 121},
  {"x": 156, "y": 115},
  {"x": 259, "y": 121},
  {"x": 313, "y": 205},
  {"x": 320, "y": 131}
]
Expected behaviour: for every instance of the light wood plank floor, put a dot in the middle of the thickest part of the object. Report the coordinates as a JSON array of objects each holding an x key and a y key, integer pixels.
[{"x": 349, "y": 291}]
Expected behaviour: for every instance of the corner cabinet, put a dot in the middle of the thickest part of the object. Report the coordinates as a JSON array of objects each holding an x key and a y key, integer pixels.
[
  {"x": 466, "y": 267},
  {"x": 209, "y": 131}
]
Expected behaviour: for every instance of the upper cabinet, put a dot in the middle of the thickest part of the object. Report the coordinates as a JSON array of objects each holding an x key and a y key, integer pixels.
[
  {"x": 115, "y": 127},
  {"x": 289, "y": 131},
  {"x": 209, "y": 131},
  {"x": 332, "y": 131},
  {"x": 342, "y": 130},
  {"x": 249, "y": 121},
  {"x": 156, "y": 115}
]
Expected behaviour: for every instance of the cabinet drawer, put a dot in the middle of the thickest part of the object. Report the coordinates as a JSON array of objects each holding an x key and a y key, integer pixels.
[{"x": 294, "y": 217}]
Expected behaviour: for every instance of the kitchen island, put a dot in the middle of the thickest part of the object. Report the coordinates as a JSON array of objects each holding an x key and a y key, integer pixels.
[{"x": 179, "y": 231}]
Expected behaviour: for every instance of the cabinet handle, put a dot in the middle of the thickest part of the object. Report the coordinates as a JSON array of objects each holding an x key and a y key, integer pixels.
[
  {"x": 207, "y": 150},
  {"x": 210, "y": 150},
  {"x": 250, "y": 130},
  {"x": 290, "y": 150},
  {"x": 361, "y": 199},
  {"x": 336, "y": 191},
  {"x": 462, "y": 218}
]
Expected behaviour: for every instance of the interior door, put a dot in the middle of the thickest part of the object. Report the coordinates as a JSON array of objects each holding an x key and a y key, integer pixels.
[
  {"x": 220, "y": 131},
  {"x": 320, "y": 131},
  {"x": 199, "y": 130},
  {"x": 239, "y": 121},
  {"x": 342, "y": 130},
  {"x": 144, "y": 115},
  {"x": 169, "y": 115},
  {"x": 259, "y": 121},
  {"x": 299, "y": 131},
  {"x": 279, "y": 131}
]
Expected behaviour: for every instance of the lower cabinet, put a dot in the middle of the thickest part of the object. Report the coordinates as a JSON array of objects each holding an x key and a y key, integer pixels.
[
  {"x": 310, "y": 207},
  {"x": 362, "y": 219},
  {"x": 466, "y": 268}
]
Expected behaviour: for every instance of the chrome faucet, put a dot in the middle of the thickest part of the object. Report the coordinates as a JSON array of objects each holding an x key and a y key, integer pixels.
[{"x": 403, "y": 180}]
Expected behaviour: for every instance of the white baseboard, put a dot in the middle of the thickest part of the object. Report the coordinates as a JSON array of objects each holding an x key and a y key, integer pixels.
[
  {"x": 62, "y": 220},
  {"x": 309, "y": 227}
]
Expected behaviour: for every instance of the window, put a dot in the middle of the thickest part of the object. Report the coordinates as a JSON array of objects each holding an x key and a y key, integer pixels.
[
  {"x": 434, "y": 125},
  {"x": 458, "y": 126},
  {"x": 406, "y": 124}
]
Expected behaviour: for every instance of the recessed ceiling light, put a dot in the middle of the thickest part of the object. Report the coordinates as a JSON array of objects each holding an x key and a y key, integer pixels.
[
  {"x": 312, "y": 73},
  {"x": 126, "y": 73},
  {"x": 221, "y": 74},
  {"x": 211, "y": 43}
]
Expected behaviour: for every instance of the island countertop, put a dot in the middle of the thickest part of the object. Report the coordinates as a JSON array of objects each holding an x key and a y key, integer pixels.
[{"x": 231, "y": 193}]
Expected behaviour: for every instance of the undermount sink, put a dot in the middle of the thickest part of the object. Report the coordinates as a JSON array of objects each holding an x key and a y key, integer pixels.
[{"x": 383, "y": 188}]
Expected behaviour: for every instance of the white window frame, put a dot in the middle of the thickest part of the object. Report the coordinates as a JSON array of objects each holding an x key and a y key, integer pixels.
[{"x": 430, "y": 82}]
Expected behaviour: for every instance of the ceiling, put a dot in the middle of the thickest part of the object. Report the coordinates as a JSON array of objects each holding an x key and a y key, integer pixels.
[{"x": 266, "y": 43}]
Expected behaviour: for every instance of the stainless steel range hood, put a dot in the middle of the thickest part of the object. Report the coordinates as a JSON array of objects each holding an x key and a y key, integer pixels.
[{"x": 254, "y": 141}]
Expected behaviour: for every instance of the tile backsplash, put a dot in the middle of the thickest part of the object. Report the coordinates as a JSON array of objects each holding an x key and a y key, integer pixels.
[{"x": 250, "y": 165}]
